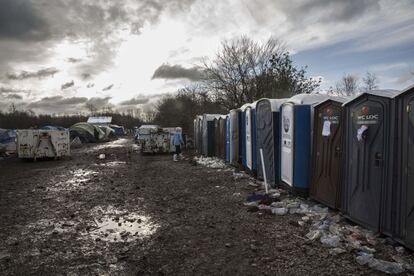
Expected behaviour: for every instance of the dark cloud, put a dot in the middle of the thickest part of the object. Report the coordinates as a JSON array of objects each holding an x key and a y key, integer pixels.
[
  {"x": 14, "y": 96},
  {"x": 44, "y": 23},
  {"x": 37, "y": 74},
  {"x": 86, "y": 76},
  {"x": 90, "y": 85},
  {"x": 336, "y": 11},
  {"x": 135, "y": 101},
  {"x": 73, "y": 60},
  {"x": 67, "y": 85},
  {"x": 71, "y": 105},
  {"x": 99, "y": 102},
  {"x": 6, "y": 90},
  {"x": 56, "y": 102},
  {"x": 109, "y": 87},
  {"x": 20, "y": 20},
  {"x": 167, "y": 71}
]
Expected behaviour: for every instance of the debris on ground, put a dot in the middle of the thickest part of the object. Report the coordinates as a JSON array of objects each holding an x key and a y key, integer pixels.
[
  {"x": 210, "y": 162},
  {"x": 101, "y": 156},
  {"x": 330, "y": 229}
]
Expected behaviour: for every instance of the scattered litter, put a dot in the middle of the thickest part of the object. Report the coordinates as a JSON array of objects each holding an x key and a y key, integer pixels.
[
  {"x": 330, "y": 241},
  {"x": 251, "y": 203},
  {"x": 279, "y": 211},
  {"x": 400, "y": 249},
  {"x": 237, "y": 175},
  {"x": 336, "y": 251},
  {"x": 313, "y": 235},
  {"x": 210, "y": 162},
  {"x": 101, "y": 156},
  {"x": 380, "y": 265}
]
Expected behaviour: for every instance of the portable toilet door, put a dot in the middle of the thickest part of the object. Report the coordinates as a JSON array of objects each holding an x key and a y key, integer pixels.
[
  {"x": 211, "y": 137},
  {"x": 368, "y": 159},
  {"x": 222, "y": 137},
  {"x": 296, "y": 140},
  {"x": 228, "y": 135},
  {"x": 242, "y": 135},
  {"x": 208, "y": 134},
  {"x": 216, "y": 150},
  {"x": 327, "y": 166},
  {"x": 404, "y": 169},
  {"x": 234, "y": 138},
  {"x": 249, "y": 143},
  {"x": 268, "y": 139},
  {"x": 200, "y": 134},
  {"x": 251, "y": 137},
  {"x": 195, "y": 133}
]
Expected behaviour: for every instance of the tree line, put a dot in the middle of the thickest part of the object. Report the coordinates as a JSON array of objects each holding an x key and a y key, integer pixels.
[{"x": 23, "y": 119}]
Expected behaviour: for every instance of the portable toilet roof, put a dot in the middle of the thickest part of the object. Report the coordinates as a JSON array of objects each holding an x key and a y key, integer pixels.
[
  {"x": 243, "y": 107},
  {"x": 388, "y": 93},
  {"x": 275, "y": 104},
  {"x": 307, "y": 98},
  {"x": 99, "y": 120},
  {"x": 338, "y": 99}
]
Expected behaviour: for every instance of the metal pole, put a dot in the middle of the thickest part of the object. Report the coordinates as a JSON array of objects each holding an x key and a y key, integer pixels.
[{"x": 264, "y": 171}]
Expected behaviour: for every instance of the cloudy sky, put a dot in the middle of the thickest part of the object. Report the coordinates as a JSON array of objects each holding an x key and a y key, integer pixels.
[{"x": 60, "y": 55}]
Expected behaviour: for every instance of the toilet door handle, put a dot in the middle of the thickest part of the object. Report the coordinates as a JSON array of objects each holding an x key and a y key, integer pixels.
[
  {"x": 338, "y": 152},
  {"x": 379, "y": 160}
]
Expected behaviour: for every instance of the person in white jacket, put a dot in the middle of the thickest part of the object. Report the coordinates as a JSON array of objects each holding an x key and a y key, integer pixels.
[{"x": 177, "y": 141}]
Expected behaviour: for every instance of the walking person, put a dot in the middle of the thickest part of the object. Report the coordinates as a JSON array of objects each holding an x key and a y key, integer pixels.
[{"x": 177, "y": 141}]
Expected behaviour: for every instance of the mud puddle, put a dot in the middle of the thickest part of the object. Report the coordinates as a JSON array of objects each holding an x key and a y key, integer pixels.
[{"x": 113, "y": 225}]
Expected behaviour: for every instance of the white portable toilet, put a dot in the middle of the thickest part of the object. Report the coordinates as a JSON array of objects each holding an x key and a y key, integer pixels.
[{"x": 296, "y": 140}]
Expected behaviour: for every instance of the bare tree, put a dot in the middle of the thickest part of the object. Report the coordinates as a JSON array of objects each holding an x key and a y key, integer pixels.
[
  {"x": 92, "y": 108},
  {"x": 348, "y": 85},
  {"x": 244, "y": 71},
  {"x": 370, "y": 81},
  {"x": 12, "y": 108},
  {"x": 238, "y": 72}
]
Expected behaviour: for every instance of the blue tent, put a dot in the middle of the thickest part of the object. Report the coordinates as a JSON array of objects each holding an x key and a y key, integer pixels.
[{"x": 7, "y": 136}]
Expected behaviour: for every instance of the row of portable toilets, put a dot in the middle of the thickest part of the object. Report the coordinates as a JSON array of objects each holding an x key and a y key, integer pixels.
[{"x": 355, "y": 155}]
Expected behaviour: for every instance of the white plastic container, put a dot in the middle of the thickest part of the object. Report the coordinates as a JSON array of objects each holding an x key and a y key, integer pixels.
[{"x": 36, "y": 143}]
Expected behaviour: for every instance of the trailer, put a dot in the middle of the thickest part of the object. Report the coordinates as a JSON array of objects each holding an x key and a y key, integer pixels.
[{"x": 38, "y": 143}]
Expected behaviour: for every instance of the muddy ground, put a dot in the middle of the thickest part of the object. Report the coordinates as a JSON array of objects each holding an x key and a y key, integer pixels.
[{"x": 130, "y": 214}]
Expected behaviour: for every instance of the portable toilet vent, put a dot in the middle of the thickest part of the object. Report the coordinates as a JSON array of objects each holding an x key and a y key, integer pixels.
[{"x": 296, "y": 140}]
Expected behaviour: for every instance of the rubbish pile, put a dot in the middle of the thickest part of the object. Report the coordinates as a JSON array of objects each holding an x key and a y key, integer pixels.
[
  {"x": 331, "y": 229},
  {"x": 211, "y": 162}
]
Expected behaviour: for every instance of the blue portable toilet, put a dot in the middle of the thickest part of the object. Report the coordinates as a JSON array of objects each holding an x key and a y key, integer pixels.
[
  {"x": 234, "y": 136},
  {"x": 296, "y": 140},
  {"x": 228, "y": 135},
  {"x": 267, "y": 113}
]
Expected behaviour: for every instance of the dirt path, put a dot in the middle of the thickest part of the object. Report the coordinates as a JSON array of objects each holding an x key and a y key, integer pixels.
[{"x": 166, "y": 218}]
